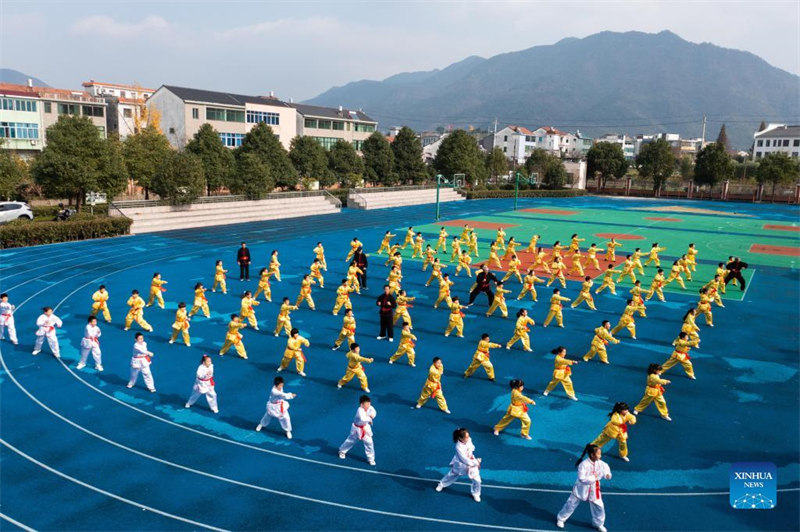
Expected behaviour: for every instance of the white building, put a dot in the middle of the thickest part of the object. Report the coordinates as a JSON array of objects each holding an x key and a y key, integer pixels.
[
  {"x": 516, "y": 142},
  {"x": 777, "y": 138},
  {"x": 429, "y": 151},
  {"x": 126, "y": 105},
  {"x": 627, "y": 142}
]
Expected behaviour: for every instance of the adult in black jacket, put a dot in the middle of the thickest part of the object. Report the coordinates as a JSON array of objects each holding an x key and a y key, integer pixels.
[
  {"x": 386, "y": 305},
  {"x": 483, "y": 283},
  {"x": 361, "y": 261},
  {"x": 243, "y": 259},
  {"x": 735, "y": 269}
]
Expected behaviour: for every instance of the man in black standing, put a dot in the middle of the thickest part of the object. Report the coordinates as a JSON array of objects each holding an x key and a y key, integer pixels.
[
  {"x": 483, "y": 283},
  {"x": 386, "y": 305},
  {"x": 243, "y": 259},
  {"x": 361, "y": 261},
  {"x": 735, "y": 268}
]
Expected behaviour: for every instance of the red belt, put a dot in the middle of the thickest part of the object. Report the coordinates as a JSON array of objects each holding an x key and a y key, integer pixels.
[
  {"x": 523, "y": 405},
  {"x": 6, "y": 315},
  {"x": 280, "y": 403},
  {"x": 684, "y": 353},
  {"x": 143, "y": 356},
  {"x": 93, "y": 339},
  {"x": 362, "y": 431},
  {"x": 162, "y": 289},
  {"x": 436, "y": 390},
  {"x": 659, "y": 388},
  {"x": 210, "y": 379},
  {"x": 597, "y": 489},
  {"x": 624, "y": 427},
  {"x": 485, "y": 353}
]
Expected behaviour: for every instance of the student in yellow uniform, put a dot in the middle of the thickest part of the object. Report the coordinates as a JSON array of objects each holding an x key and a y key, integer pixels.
[
  {"x": 433, "y": 386},
  {"x": 418, "y": 243},
  {"x": 275, "y": 266},
  {"x": 517, "y": 409},
  {"x": 691, "y": 257},
  {"x": 444, "y": 291},
  {"x": 510, "y": 249},
  {"x": 626, "y": 321},
  {"x": 675, "y": 275},
  {"x": 528, "y": 285},
  {"x": 636, "y": 257},
  {"x": 136, "y": 312},
  {"x": 654, "y": 391},
  {"x": 436, "y": 271},
  {"x": 611, "y": 250},
  {"x": 464, "y": 262},
  {"x": 685, "y": 266},
  {"x": 591, "y": 257},
  {"x": 654, "y": 251},
  {"x": 386, "y": 242},
  {"x": 394, "y": 252},
  {"x": 348, "y": 331},
  {"x": 557, "y": 272},
  {"x": 284, "y": 320},
  {"x": 396, "y": 260},
  {"x": 456, "y": 320},
  {"x": 555, "y": 309},
  {"x": 532, "y": 244},
  {"x": 657, "y": 286},
  {"x": 557, "y": 249},
  {"x": 355, "y": 369},
  {"x": 455, "y": 248},
  {"x": 481, "y": 358},
  {"x": 406, "y": 346},
  {"x": 343, "y": 297},
  {"x": 305, "y": 292},
  {"x": 465, "y": 232},
  {"x": 638, "y": 300},
  {"x": 494, "y": 258},
  {"x": 617, "y": 429},
  {"x": 541, "y": 260},
  {"x": 403, "y": 304},
  {"x": 219, "y": 278},
  {"x": 263, "y": 285},
  {"x": 352, "y": 276},
  {"x": 577, "y": 266},
  {"x": 316, "y": 272},
  {"x": 704, "y": 307},
  {"x": 690, "y": 326},
  {"x": 473, "y": 243},
  {"x": 319, "y": 251},
  {"x": 500, "y": 240},
  {"x": 499, "y": 301},
  {"x": 681, "y": 354},
  {"x": 441, "y": 243},
  {"x": 294, "y": 350},
  {"x": 200, "y": 301},
  {"x": 575, "y": 244},
  {"x": 247, "y": 311},
  {"x": 561, "y": 373},
  {"x": 521, "y": 330},
  {"x": 156, "y": 287},
  {"x": 100, "y": 303},
  {"x": 722, "y": 271},
  {"x": 354, "y": 245},
  {"x": 608, "y": 280},
  {"x": 599, "y": 342},
  {"x": 429, "y": 256},
  {"x": 513, "y": 268},
  {"x": 627, "y": 270},
  {"x": 233, "y": 338},
  {"x": 713, "y": 288},
  {"x": 409, "y": 238},
  {"x": 181, "y": 325},
  {"x": 585, "y": 294}
]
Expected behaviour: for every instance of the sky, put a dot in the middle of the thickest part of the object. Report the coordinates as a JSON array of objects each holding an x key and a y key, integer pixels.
[{"x": 302, "y": 48}]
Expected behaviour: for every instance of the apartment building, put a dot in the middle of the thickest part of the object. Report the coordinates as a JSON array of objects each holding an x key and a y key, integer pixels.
[
  {"x": 328, "y": 125},
  {"x": 777, "y": 138},
  {"x": 627, "y": 142},
  {"x": 126, "y": 105}
]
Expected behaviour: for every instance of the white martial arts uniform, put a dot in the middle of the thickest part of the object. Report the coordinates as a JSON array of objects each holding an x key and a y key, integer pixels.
[
  {"x": 47, "y": 329},
  {"x": 91, "y": 344},
  {"x": 140, "y": 363},
  {"x": 464, "y": 463},
  {"x": 361, "y": 429},
  {"x": 278, "y": 408},
  {"x": 587, "y": 488},
  {"x": 204, "y": 385},
  {"x": 7, "y": 321}
]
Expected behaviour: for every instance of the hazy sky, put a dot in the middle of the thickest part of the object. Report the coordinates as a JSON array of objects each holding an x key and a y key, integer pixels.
[{"x": 299, "y": 49}]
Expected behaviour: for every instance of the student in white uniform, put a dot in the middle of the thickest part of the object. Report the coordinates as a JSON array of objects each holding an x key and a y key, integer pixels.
[
  {"x": 7, "y": 319},
  {"x": 204, "y": 385},
  {"x": 464, "y": 463},
  {"x": 47, "y": 324},
  {"x": 587, "y": 488},
  {"x": 90, "y": 343},
  {"x": 361, "y": 429},
  {"x": 278, "y": 408},
  {"x": 140, "y": 363}
]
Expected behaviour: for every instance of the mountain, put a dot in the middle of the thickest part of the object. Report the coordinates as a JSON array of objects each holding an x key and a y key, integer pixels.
[
  {"x": 9, "y": 75},
  {"x": 629, "y": 82}
]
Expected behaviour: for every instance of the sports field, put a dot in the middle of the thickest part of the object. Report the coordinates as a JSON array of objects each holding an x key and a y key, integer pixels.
[{"x": 81, "y": 452}]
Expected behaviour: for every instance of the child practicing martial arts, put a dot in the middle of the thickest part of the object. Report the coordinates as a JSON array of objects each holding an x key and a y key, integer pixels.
[
  {"x": 463, "y": 463},
  {"x": 587, "y": 488},
  {"x": 278, "y": 408},
  {"x": 361, "y": 430}
]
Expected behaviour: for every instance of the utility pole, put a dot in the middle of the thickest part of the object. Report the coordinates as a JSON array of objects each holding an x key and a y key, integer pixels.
[
  {"x": 495, "y": 126},
  {"x": 703, "y": 138}
]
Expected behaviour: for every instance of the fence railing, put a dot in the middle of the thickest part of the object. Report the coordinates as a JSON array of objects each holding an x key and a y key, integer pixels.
[
  {"x": 367, "y": 190},
  {"x": 137, "y": 204},
  {"x": 677, "y": 189}
]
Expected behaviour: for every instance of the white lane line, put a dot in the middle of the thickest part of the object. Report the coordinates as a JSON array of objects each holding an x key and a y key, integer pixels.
[
  {"x": 16, "y": 523},
  {"x": 107, "y": 493}
]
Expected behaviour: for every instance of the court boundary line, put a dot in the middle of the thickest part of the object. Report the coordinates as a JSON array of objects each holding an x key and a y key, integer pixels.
[{"x": 16, "y": 523}]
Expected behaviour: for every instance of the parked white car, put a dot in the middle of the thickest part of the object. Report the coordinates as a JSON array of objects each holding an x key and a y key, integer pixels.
[{"x": 12, "y": 210}]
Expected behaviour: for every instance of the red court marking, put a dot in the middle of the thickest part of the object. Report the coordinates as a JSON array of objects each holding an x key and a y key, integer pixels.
[
  {"x": 529, "y": 258},
  {"x": 658, "y": 219},
  {"x": 782, "y": 227},
  {"x": 551, "y": 211},
  {"x": 619, "y": 236},
  {"x": 477, "y": 225},
  {"x": 767, "y": 249}
]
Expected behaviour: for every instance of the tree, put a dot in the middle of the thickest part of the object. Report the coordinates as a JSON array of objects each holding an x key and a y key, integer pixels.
[
  {"x": 264, "y": 143},
  {"x": 537, "y": 162},
  {"x": 113, "y": 173},
  {"x": 555, "y": 174},
  {"x": 13, "y": 174},
  {"x": 180, "y": 178},
  {"x": 722, "y": 139},
  {"x": 604, "y": 160},
  {"x": 496, "y": 163},
  {"x": 252, "y": 176},
  {"x": 686, "y": 167},
  {"x": 71, "y": 162},
  {"x": 310, "y": 160},
  {"x": 777, "y": 168},
  {"x": 217, "y": 160},
  {"x": 144, "y": 154},
  {"x": 378, "y": 160},
  {"x": 713, "y": 165},
  {"x": 345, "y": 163},
  {"x": 657, "y": 162},
  {"x": 459, "y": 154},
  {"x": 408, "y": 163}
]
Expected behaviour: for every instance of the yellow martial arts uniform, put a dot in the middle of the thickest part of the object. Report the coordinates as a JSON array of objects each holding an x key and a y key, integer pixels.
[
  {"x": 275, "y": 268},
  {"x": 406, "y": 347},
  {"x": 510, "y": 249},
  {"x": 354, "y": 369},
  {"x": 577, "y": 267},
  {"x": 713, "y": 291},
  {"x": 627, "y": 270},
  {"x": 561, "y": 374},
  {"x": 598, "y": 347},
  {"x": 385, "y": 243},
  {"x": 541, "y": 261},
  {"x": 557, "y": 272},
  {"x": 557, "y": 251},
  {"x": 409, "y": 238},
  {"x": 575, "y": 245},
  {"x": 473, "y": 244},
  {"x": 585, "y": 295},
  {"x": 429, "y": 253},
  {"x": 591, "y": 258},
  {"x": 444, "y": 292},
  {"x": 264, "y": 286},
  {"x": 636, "y": 257},
  {"x": 518, "y": 409},
  {"x": 656, "y": 287},
  {"x": 436, "y": 272},
  {"x": 499, "y": 302},
  {"x": 690, "y": 327},
  {"x": 704, "y": 308},
  {"x": 691, "y": 258},
  {"x": 316, "y": 273},
  {"x": 294, "y": 351},
  {"x": 654, "y": 256},
  {"x": 181, "y": 326},
  {"x": 342, "y": 298},
  {"x": 284, "y": 319},
  {"x": 348, "y": 332},
  {"x": 608, "y": 281},
  {"x": 456, "y": 320},
  {"x": 611, "y": 250},
  {"x": 654, "y": 392},
  {"x": 532, "y": 244},
  {"x": 433, "y": 388},
  {"x": 675, "y": 275},
  {"x": 521, "y": 330},
  {"x": 636, "y": 295},
  {"x": 481, "y": 359},
  {"x": 513, "y": 270},
  {"x": 626, "y": 321},
  {"x": 247, "y": 312},
  {"x": 402, "y": 310},
  {"x": 685, "y": 268},
  {"x": 219, "y": 279},
  {"x": 156, "y": 287},
  {"x": 319, "y": 251},
  {"x": 354, "y": 245},
  {"x": 100, "y": 304},
  {"x": 442, "y": 242},
  {"x": 494, "y": 258},
  {"x": 200, "y": 303},
  {"x": 305, "y": 293},
  {"x": 528, "y": 286},
  {"x": 681, "y": 356},
  {"x": 616, "y": 429},
  {"x": 501, "y": 239},
  {"x": 136, "y": 313},
  {"x": 352, "y": 278},
  {"x": 464, "y": 262},
  {"x": 455, "y": 249},
  {"x": 555, "y": 310},
  {"x": 233, "y": 338},
  {"x": 418, "y": 243}
]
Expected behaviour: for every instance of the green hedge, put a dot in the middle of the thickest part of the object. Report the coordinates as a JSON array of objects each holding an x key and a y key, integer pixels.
[
  {"x": 48, "y": 212},
  {"x": 24, "y": 233},
  {"x": 339, "y": 193},
  {"x": 537, "y": 193}
]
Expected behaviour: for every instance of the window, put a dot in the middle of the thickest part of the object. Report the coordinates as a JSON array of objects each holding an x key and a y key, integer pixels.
[
  {"x": 18, "y": 104},
  {"x": 505, "y": 150},
  {"x": 127, "y": 113},
  {"x": 324, "y": 124},
  {"x": 310, "y": 122},
  {"x": 172, "y": 131},
  {"x": 796, "y": 142},
  {"x": 358, "y": 145},
  {"x": 758, "y": 155},
  {"x": 505, "y": 138},
  {"x": 195, "y": 113},
  {"x": 224, "y": 115},
  {"x": 326, "y": 142},
  {"x": 48, "y": 107},
  {"x": 364, "y": 128},
  {"x": 794, "y": 154},
  {"x": 785, "y": 143},
  {"x": 19, "y": 130},
  {"x": 766, "y": 143},
  {"x": 760, "y": 143},
  {"x": 257, "y": 117},
  {"x": 92, "y": 110},
  {"x": 338, "y": 126},
  {"x": 68, "y": 109},
  {"x": 231, "y": 140},
  {"x": 122, "y": 94},
  {"x": 102, "y": 131}
]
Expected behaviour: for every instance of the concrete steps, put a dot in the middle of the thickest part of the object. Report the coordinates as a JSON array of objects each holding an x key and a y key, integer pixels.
[{"x": 400, "y": 198}]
